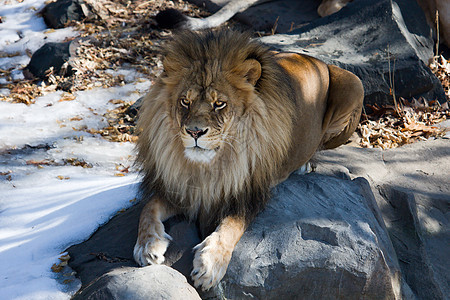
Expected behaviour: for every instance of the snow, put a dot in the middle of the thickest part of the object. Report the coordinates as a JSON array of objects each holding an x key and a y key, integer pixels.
[{"x": 46, "y": 208}]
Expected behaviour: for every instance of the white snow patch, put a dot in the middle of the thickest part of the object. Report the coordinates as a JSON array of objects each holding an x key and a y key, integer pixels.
[{"x": 45, "y": 209}]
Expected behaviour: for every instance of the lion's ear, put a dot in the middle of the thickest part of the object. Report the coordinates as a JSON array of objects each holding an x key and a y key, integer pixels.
[{"x": 252, "y": 70}]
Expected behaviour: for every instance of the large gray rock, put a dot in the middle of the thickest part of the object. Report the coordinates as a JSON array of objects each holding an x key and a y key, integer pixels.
[
  {"x": 152, "y": 282},
  {"x": 412, "y": 189},
  {"x": 319, "y": 236},
  {"x": 278, "y": 15},
  {"x": 387, "y": 44},
  {"x": 111, "y": 246}
]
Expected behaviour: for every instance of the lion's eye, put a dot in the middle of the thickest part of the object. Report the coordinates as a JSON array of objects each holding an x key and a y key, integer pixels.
[
  {"x": 219, "y": 104},
  {"x": 185, "y": 102}
]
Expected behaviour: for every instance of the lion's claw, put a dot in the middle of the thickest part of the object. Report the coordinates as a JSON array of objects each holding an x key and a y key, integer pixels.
[
  {"x": 150, "y": 249},
  {"x": 210, "y": 262}
]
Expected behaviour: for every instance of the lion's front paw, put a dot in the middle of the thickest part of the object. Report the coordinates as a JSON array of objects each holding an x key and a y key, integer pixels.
[
  {"x": 150, "y": 247},
  {"x": 210, "y": 262}
]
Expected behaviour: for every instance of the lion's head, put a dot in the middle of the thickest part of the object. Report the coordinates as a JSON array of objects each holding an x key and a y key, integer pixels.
[
  {"x": 208, "y": 109},
  {"x": 211, "y": 126}
]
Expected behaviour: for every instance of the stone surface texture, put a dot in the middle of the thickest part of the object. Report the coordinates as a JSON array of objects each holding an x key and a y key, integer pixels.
[
  {"x": 387, "y": 44},
  {"x": 318, "y": 238},
  {"x": 152, "y": 282},
  {"x": 412, "y": 189}
]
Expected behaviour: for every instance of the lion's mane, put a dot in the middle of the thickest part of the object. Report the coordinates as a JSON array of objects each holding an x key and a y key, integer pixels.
[{"x": 239, "y": 180}]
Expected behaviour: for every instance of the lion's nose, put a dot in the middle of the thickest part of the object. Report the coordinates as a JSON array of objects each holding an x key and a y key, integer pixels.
[{"x": 196, "y": 132}]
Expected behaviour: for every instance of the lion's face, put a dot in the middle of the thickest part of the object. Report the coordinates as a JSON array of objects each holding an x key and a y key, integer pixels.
[
  {"x": 209, "y": 104},
  {"x": 205, "y": 117}
]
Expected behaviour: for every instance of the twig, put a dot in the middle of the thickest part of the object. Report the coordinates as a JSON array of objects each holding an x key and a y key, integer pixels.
[
  {"x": 437, "y": 32},
  {"x": 275, "y": 25},
  {"x": 392, "y": 81}
]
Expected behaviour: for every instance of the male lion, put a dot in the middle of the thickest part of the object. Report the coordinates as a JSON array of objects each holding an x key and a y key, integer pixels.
[{"x": 226, "y": 121}]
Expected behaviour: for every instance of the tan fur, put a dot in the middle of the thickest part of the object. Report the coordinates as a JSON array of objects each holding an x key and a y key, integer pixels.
[
  {"x": 214, "y": 253},
  {"x": 256, "y": 115}
]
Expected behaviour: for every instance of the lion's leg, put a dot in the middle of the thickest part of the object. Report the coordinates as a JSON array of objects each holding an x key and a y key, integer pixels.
[
  {"x": 152, "y": 240},
  {"x": 214, "y": 253},
  {"x": 345, "y": 100}
]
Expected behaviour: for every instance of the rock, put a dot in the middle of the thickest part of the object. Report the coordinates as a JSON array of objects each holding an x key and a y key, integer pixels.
[
  {"x": 412, "y": 190},
  {"x": 279, "y": 16},
  {"x": 319, "y": 236},
  {"x": 50, "y": 55},
  {"x": 111, "y": 246},
  {"x": 318, "y": 231},
  {"x": 387, "y": 44},
  {"x": 152, "y": 282},
  {"x": 170, "y": 19},
  {"x": 57, "y": 14},
  {"x": 133, "y": 110}
]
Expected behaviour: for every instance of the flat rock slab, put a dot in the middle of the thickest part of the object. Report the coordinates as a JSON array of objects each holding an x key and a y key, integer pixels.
[
  {"x": 111, "y": 246},
  {"x": 412, "y": 189}
]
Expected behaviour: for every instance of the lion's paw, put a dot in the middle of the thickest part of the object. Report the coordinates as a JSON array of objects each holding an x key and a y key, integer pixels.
[
  {"x": 150, "y": 248},
  {"x": 210, "y": 262}
]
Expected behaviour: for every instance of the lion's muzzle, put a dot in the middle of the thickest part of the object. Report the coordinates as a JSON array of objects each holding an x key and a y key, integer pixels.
[
  {"x": 199, "y": 147},
  {"x": 196, "y": 132}
]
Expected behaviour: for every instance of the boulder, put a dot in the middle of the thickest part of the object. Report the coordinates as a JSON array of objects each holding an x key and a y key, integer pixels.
[
  {"x": 50, "y": 55},
  {"x": 412, "y": 190},
  {"x": 277, "y": 16},
  {"x": 57, "y": 14},
  {"x": 319, "y": 236},
  {"x": 111, "y": 246},
  {"x": 387, "y": 44},
  {"x": 152, "y": 282}
]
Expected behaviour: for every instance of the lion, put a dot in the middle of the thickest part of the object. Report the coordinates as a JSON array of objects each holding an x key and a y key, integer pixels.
[{"x": 226, "y": 121}]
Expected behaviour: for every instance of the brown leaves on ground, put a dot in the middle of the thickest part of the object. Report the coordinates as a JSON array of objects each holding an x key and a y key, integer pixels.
[
  {"x": 121, "y": 125},
  {"x": 441, "y": 68},
  {"x": 115, "y": 33},
  {"x": 391, "y": 127},
  {"x": 76, "y": 162},
  {"x": 57, "y": 268}
]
